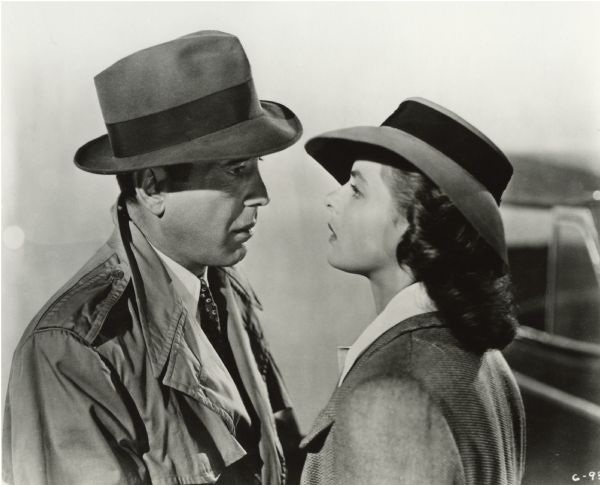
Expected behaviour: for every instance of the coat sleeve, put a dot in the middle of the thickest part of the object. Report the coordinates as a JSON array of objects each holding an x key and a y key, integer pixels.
[
  {"x": 66, "y": 418},
  {"x": 389, "y": 431}
]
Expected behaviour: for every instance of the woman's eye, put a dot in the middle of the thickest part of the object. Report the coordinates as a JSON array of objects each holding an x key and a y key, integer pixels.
[{"x": 355, "y": 191}]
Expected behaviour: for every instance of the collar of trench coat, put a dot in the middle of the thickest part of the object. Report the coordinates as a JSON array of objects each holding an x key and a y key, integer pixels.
[{"x": 162, "y": 318}]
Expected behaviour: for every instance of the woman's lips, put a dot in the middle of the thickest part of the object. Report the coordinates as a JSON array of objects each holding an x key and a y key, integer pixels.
[{"x": 333, "y": 236}]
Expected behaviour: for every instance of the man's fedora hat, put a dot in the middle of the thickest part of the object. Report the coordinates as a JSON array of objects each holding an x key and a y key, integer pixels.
[
  {"x": 455, "y": 155},
  {"x": 188, "y": 100}
]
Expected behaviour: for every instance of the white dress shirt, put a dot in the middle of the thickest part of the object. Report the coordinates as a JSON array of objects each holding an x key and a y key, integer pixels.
[{"x": 408, "y": 302}]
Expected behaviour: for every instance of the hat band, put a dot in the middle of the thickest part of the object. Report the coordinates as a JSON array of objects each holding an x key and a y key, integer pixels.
[
  {"x": 184, "y": 122},
  {"x": 452, "y": 139}
]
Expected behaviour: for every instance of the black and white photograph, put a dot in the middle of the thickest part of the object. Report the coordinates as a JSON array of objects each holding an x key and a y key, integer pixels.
[{"x": 300, "y": 243}]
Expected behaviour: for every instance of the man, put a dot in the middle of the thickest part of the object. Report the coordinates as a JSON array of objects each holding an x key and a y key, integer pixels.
[{"x": 149, "y": 366}]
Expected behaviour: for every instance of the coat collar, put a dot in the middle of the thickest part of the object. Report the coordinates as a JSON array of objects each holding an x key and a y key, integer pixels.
[
  {"x": 161, "y": 311},
  {"x": 412, "y": 300},
  {"x": 326, "y": 417},
  {"x": 162, "y": 316}
]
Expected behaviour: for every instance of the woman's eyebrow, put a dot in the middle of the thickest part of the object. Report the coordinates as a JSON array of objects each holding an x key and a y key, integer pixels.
[{"x": 357, "y": 175}]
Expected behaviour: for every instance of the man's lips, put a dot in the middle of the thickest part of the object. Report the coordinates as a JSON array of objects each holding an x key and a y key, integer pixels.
[{"x": 248, "y": 228}]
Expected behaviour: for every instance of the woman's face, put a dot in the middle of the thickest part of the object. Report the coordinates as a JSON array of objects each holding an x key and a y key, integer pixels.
[{"x": 365, "y": 224}]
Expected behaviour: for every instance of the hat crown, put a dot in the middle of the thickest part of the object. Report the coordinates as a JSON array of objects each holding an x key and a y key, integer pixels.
[
  {"x": 171, "y": 74},
  {"x": 189, "y": 100},
  {"x": 455, "y": 138}
]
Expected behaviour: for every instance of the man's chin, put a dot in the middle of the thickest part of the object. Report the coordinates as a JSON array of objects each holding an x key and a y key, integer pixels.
[{"x": 236, "y": 256}]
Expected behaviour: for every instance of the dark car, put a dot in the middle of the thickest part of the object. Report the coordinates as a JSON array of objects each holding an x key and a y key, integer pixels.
[{"x": 551, "y": 213}]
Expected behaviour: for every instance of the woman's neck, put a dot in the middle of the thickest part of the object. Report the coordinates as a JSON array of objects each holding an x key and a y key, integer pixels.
[{"x": 386, "y": 283}]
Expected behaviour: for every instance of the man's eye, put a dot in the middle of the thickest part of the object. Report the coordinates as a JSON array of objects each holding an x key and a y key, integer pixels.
[{"x": 238, "y": 169}]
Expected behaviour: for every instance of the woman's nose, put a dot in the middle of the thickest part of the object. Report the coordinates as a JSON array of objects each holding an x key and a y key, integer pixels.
[{"x": 330, "y": 199}]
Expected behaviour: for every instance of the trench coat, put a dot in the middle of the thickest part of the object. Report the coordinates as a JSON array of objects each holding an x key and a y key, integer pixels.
[
  {"x": 418, "y": 409},
  {"x": 106, "y": 386}
]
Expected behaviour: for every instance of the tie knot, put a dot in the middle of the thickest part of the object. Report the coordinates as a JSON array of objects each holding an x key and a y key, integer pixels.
[{"x": 204, "y": 290}]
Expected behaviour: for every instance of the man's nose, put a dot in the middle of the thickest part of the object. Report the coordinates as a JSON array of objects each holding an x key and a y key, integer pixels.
[{"x": 258, "y": 194}]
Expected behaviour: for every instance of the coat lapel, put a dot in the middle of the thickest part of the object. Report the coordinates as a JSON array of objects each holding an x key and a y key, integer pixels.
[
  {"x": 163, "y": 319},
  {"x": 326, "y": 418},
  {"x": 270, "y": 447},
  {"x": 313, "y": 441}
]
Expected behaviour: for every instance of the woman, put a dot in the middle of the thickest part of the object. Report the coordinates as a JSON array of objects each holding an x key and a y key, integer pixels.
[{"x": 425, "y": 396}]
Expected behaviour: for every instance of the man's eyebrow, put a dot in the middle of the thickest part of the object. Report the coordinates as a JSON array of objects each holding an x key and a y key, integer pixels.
[
  {"x": 357, "y": 175},
  {"x": 228, "y": 163},
  {"x": 238, "y": 161}
]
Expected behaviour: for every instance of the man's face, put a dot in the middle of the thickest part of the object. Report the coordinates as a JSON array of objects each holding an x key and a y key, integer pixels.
[{"x": 208, "y": 217}]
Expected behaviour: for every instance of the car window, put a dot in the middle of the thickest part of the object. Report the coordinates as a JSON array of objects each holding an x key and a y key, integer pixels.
[
  {"x": 577, "y": 293},
  {"x": 528, "y": 232}
]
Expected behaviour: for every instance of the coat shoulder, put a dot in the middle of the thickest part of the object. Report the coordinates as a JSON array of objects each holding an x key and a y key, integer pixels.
[
  {"x": 428, "y": 354},
  {"x": 455, "y": 378},
  {"x": 83, "y": 303},
  {"x": 381, "y": 398}
]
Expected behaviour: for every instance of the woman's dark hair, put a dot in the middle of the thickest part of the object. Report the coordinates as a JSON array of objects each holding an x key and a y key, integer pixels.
[{"x": 462, "y": 274}]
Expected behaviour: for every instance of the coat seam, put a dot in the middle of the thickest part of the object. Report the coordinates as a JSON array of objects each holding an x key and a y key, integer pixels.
[{"x": 91, "y": 276}]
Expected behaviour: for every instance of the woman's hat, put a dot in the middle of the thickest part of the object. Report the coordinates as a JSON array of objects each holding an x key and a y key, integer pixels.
[
  {"x": 455, "y": 155},
  {"x": 188, "y": 100}
]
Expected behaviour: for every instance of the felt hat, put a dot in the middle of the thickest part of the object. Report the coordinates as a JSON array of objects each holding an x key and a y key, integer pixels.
[
  {"x": 470, "y": 169},
  {"x": 188, "y": 100}
]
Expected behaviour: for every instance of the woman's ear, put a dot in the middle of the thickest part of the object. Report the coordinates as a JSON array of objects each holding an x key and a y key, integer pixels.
[
  {"x": 400, "y": 225},
  {"x": 148, "y": 189}
]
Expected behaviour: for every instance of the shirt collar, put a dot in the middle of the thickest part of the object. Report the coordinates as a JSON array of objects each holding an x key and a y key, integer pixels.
[{"x": 408, "y": 302}]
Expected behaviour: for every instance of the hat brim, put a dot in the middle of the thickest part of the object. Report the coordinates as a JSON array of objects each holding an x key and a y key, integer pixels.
[
  {"x": 275, "y": 130},
  {"x": 337, "y": 150}
]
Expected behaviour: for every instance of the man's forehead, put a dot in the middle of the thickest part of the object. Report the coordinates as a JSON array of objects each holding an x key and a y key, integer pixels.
[
  {"x": 228, "y": 163},
  {"x": 208, "y": 166}
]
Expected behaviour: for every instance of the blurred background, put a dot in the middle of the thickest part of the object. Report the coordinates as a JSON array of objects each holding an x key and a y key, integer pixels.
[{"x": 526, "y": 74}]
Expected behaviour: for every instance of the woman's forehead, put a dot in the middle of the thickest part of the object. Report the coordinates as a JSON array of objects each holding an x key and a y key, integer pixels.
[{"x": 367, "y": 171}]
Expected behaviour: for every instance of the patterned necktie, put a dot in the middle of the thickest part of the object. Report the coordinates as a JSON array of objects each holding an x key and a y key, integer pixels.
[{"x": 209, "y": 318}]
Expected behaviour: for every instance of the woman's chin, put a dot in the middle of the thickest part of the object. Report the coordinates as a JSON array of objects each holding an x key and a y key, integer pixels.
[{"x": 335, "y": 261}]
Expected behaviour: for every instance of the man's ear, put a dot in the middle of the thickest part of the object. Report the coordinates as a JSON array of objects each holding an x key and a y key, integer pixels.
[{"x": 149, "y": 185}]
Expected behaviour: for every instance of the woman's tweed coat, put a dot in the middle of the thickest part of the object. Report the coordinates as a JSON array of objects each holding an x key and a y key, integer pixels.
[{"x": 417, "y": 408}]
